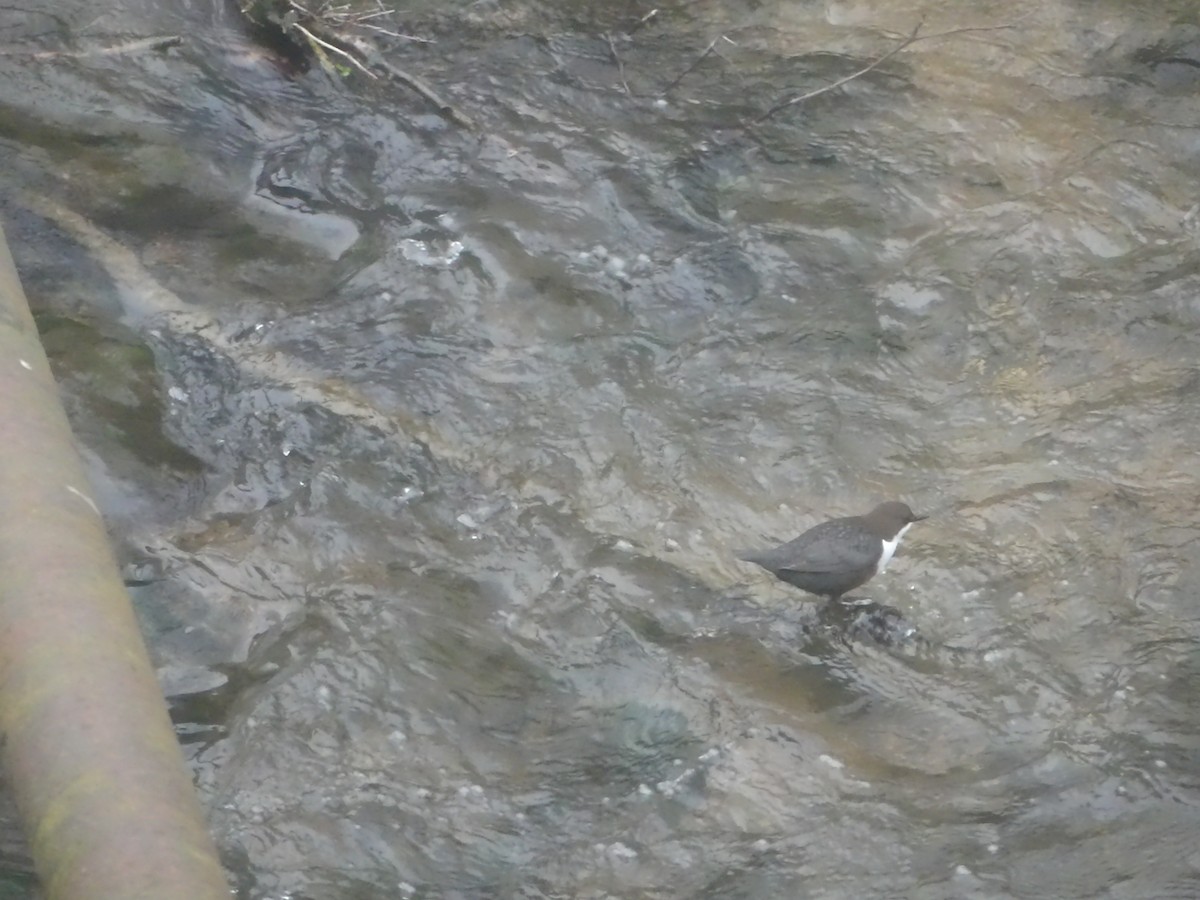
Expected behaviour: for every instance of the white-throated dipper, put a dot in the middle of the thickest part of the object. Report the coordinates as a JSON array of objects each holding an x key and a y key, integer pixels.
[{"x": 839, "y": 555}]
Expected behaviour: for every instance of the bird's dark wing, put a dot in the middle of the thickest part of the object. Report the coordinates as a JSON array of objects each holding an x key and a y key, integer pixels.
[{"x": 829, "y": 547}]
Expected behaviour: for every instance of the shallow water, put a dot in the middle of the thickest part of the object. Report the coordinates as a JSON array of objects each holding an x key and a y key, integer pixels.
[{"x": 429, "y": 453}]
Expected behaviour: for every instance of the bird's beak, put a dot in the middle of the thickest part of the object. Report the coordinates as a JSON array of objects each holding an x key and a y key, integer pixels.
[{"x": 919, "y": 518}]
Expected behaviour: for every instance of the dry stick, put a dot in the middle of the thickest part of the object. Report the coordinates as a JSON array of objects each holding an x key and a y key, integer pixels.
[
  {"x": 837, "y": 84},
  {"x": 612, "y": 48},
  {"x": 911, "y": 39},
  {"x": 970, "y": 28},
  {"x": 367, "y": 51},
  {"x": 358, "y": 20},
  {"x": 338, "y": 50},
  {"x": 342, "y": 16},
  {"x": 699, "y": 59},
  {"x": 164, "y": 42},
  {"x": 641, "y": 23},
  {"x": 375, "y": 58},
  {"x": 396, "y": 34}
]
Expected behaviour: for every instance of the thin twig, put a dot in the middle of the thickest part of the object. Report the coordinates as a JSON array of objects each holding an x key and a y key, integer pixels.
[
  {"x": 338, "y": 50},
  {"x": 642, "y": 22},
  {"x": 792, "y": 101},
  {"x": 374, "y": 57},
  {"x": 908, "y": 41},
  {"x": 699, "y": 59},
  {"x": 954, "y": 31},
  {"x": 164, "y": 42},
  {"x": 396, "y": 34},
  {"x": 366, "y": 55},
  {"x": 612, "y": 48},
  {"x": 362, "y": 17}
]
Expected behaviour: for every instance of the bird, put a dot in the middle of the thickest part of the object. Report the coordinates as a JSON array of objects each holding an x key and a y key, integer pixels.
[{"x": 839, "y": 555}]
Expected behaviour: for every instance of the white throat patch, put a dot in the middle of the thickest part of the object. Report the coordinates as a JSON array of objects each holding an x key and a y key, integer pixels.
[{"x": 889, "y": 549}]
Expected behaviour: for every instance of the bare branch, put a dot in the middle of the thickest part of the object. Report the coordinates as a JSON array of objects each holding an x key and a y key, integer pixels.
[
  {"x": 837, "y": 84},
  {"x": 396, "y": 34},
  {"x": 338, "y": 50},
  {"x": 612, "y": 48},
  {"x": 371, "y": 54},
  {"x": 642, "y": 22},
  {"x": 153, "y": 44},
  {"x": 711, "y": 48},
  {"x": 912, "y": 38}
]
